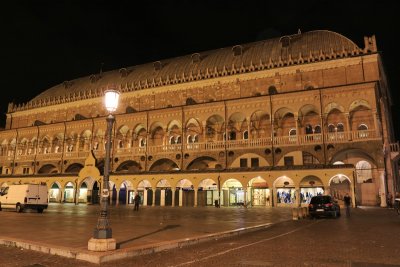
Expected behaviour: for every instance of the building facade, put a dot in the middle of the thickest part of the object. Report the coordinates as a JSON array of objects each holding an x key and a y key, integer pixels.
[{"x": 269, "y": 123}]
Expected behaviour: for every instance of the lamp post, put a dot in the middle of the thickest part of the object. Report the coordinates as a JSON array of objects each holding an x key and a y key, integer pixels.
[{"x": 102, "y": 236}]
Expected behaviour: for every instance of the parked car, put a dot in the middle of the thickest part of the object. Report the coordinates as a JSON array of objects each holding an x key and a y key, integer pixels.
[{"x": 323, "y": 206}]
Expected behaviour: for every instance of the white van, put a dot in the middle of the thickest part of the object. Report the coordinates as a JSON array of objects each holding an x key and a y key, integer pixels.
[{"x": 24, "y": 196}]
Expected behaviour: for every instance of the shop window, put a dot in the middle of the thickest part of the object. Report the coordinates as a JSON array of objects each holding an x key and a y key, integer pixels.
[
  {"x": 288, "y": 161},
  {"x": 255, "y": 162},
  {"x": 243, "y": 163}
]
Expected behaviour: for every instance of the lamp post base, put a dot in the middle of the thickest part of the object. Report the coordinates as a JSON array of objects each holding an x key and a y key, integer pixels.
[
  {"x": 102, "y": 233},
  {"x": 107, "y": 244}
]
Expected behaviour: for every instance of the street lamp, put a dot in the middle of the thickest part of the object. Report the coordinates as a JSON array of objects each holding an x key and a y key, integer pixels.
[{"x": 102, "y": 236}]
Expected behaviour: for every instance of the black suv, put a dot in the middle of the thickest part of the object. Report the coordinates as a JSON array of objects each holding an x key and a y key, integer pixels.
[{"x": 323, "y": 206}]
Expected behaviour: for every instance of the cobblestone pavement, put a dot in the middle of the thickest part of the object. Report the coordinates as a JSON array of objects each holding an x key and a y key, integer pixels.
[{"x": 368, "y": 238}]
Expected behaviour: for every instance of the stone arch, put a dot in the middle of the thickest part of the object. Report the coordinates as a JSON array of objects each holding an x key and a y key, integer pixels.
[
  {"x": 175, "y": 132},
  {"x": 164, "y": 164},
  {"x": 339, "y": 186},
  {"x": 121, "y": 136},
  {"x": 163, "y": 193},
  {"x": 360, "y": 114},
  {"x": 74, "y": 168},
  {"x": 310, "y": 186},
  {"x": 260, "y": 124},
  {"x": 157, "y": 131},
  {"x": 237, "y": 124},
  {"x": 202, "y": 163},
  {"x": 349, "y": 156},
  {"x": 258, "y": 192},
  {"x": 215, "y": 127},
  {"x": 363, "y": 171},
  {"x": 285, "y": 191},
  {"x": 55, "y": 192},
  {"x": 129, "y": 166},
  {"x": 333, "y": 106},
  {"x": 309, "y": 118},
  {"x": 232, "y": 193},
  {"x": 284, "y": 121},
  {"x": 69, "y": 193},
  {"x": 140, "y": 135},
  {"x": 193, "y": 130},
  {"x": 48, "y": 168}
]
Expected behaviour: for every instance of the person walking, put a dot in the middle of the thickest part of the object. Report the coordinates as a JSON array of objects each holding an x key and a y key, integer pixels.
[
  {"x": 137, "y": 202},
  {"x": 347, "y": 203}
]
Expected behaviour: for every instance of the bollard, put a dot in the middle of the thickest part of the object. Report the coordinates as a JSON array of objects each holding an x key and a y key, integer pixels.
[
  {"x": 305, "y": 212},
  {"x": 301, "y": 215},
  {"x": 295, "y": 214}
]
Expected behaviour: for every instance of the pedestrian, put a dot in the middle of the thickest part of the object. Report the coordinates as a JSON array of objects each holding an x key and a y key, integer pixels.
[
  {"x": 137, "y": 202},
  {"x": 347, "y": 203}
]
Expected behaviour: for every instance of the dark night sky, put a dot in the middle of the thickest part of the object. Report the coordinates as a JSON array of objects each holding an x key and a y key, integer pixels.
[{"x": 44, "y": 43}]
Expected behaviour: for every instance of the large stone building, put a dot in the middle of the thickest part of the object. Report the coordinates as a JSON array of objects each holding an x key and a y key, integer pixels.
[{"x": 269, "y": 123}]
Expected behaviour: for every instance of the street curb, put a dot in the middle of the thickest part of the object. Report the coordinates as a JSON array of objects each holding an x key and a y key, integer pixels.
[{"x": 102, "y": 257}]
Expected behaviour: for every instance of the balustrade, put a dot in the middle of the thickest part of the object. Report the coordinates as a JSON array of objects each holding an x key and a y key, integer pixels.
[{"x": 334, "y": 137}]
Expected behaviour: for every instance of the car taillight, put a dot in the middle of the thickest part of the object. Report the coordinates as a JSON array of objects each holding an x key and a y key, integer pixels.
[
  {"x": 328, "y": 205},
  {"x": 25, "y": 200}
]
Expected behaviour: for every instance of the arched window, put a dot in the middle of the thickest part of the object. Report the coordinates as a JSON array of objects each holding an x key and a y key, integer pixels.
[
  {"x": 171, "y": 140},
  {"x": 292, "y": 135},
  {"x": 317, "y": 129},
  {"x": 340, "y": 127},
  {"x": 246, "y": 135},
  {"x": 142, "y": 142},
  {"x": 309, "y": 129},
  {"x": 178, "y": 140},
  {"x": 331, "y": 128},
  {"x": 189, "y": 139},
  {"x": 362, "y": 127},
  {"x": 364, "y": 171},
  {"x": 362, "y": 131}
]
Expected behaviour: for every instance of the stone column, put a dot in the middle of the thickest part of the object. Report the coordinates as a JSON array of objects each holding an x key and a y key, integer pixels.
[
  {"x": 117, "y": 198},
  {"x": 382, "y": 187},
  {"x": 245, "y": 196},
  {"x": 154, "y": 197},
  {"x": 348, "y": 130},
  {"x": 162, "y": 198},
  {"x": 180, "y": 197},
  {"x": 145, "y": 197},
  {"x": 195, "y": 197},
  {"x": 173, "y": 196}
]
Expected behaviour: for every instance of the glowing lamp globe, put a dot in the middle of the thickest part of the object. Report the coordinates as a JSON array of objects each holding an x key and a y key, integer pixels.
[{"x": 111, "y": 100}]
